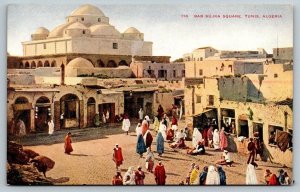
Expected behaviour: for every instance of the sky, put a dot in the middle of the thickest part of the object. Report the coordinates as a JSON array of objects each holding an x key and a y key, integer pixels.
[{"x": 173, "y": 29}]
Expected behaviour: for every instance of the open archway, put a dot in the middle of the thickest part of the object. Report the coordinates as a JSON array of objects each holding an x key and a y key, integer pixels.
[
  {"x": 46, "y": 64},
  {"x": 27, "y": 66},
  {"x": 22, "y": 109},
  {"x": 42, "y": 114},
  {"x": 100, "y": 63},
  {"x": 33, "y": 64},
  {"x": 53, "y": 63},
  {"x": 69, "y": 107},
  {"x": 111, "y": 63},
  {"x": 91, "y": 111},
  {"x": 40, "y": 64},
  {"x": 123, "y": 63}
]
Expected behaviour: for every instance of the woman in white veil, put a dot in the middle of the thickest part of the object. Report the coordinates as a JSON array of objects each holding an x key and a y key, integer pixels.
[
  {"x": 251, "y": 178},
  {"x": 129, "y": 177},
  {"x": 163, "y": 129},
  {"x": 213, "y": 177},
  {"x": 197, "y": 136},
  {"x": 216, "y": 139}
]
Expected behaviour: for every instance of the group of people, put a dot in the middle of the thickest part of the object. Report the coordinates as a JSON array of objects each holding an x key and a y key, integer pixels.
[
  {"x": 210, "y": 175},
  {"x": 282, "y": 178},
  {"x": 137, "y": 177}
]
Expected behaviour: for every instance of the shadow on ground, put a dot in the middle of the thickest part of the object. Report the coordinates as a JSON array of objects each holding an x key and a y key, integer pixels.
[{"x": 78, "y": 135}]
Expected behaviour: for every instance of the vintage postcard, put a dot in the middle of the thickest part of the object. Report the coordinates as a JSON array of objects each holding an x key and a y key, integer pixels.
[{"x": 184, "y": 94}]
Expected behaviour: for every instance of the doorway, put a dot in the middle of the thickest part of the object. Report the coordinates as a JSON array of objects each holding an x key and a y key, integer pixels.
[{"x": 91, "y": 111}]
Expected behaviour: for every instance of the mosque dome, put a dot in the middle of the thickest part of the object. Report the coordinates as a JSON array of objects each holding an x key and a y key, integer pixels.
[
  {"x": 79, "y": 62},
  {"x": 76, "y": 25},
  {"x": 72, "y": 69},
  {"x": 132, "y": 30},
  {"x": 59, "y": 30},
  {"x": 40, "y": 34},
  {"x": 133, "y": 34},
  {"x": 104, "y": 30},
  {"x": 87, "y": 10},
  {"x": 42, "y": 30}
]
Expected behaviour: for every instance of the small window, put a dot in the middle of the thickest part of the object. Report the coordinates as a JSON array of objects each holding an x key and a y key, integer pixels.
[
  {"x": 83, "y": 32},
  {"x": 183, "y": 73},
  {"x": 174, "y": 73},
  {"x": 210, "y": 50},
  {"x": 275, "y": 75},
  {"x": 82, "y": 18},
  {"x": 201, "y": 59},
  {"x": 99, "y": 19},
  {"x": 230, "y": 68},
  {"x": 200, "y": 72},
  {"x": 115, "y": 45},
  {"x": 272, "y": 133},
  {"x": 198, "y": 99},
  {"x": 45, "y": 46}
]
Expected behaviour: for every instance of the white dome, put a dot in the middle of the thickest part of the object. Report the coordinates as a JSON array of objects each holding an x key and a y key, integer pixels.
[
  {"x": 132, "y": 30},
  {"x": 42, "y": 30},
  {"x": 104, "y": 30},
  {"x": 79, "y": 62},
  {"x": 87, "y": 10},
  {"x": 59, "y": 30},
  {"x": 77, "y": 25}
]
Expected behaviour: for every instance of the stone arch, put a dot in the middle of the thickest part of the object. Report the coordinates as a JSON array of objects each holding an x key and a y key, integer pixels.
[
  {"x": 46, "y": 64},
  {"x": 70, "y": 109},
  {"x": 33, "y": 64},
  {"x": 100, "y": 63},
  {"x": 91, "y": 111},
  {"x": 43, "y": 99},
  {"x": 42, "y": 114},
  {"x": 123, "y": 63},
  {"x": 40, "y": 64},
  {"x": 53, "y": 63},
  {"x": 91, "y": 100},
  {"x": 27, "y": 66},
  {"x": 21, "y": 66},
  {"x": 21, "y": 100},
  {"x": 112, "y": 63}
]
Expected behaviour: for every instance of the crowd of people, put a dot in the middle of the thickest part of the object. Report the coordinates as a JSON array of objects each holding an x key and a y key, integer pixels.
[{"x": 167, "y": 130}]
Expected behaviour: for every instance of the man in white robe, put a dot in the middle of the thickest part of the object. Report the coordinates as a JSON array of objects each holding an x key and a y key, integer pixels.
[
  {"x": 51, "y": 127},
  {"x": 141, "y": 114},
  {"x": 126, "y": 125}
]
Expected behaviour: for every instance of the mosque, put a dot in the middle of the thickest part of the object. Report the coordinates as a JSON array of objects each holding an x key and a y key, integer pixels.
[{"x": 82, "y": 68}]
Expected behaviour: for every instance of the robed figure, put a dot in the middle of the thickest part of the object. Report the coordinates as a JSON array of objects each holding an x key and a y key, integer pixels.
[
  {"x": 117, "y": 156},
  {"x": 140, "y": 145},
  {"x": 68, "y": 145},
  {"x": 160, "y": 174},
  {"x": 148, "y": 139},
  {"x": 159, "y": 144}
]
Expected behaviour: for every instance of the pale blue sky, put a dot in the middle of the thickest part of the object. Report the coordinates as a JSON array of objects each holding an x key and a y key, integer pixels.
[{"x": 163, "y": 25}]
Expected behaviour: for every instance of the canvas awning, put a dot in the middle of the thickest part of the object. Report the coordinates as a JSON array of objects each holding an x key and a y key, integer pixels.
[{"x": 195, "y": 115}]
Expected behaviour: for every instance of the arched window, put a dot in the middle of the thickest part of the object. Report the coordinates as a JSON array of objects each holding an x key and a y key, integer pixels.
[
  {"x": 111, "y": 63},
  {"x": 33, "y": 65},
  {"x": 53, "y": 63},
  {"x": 27, "y": 66},
  {"x": 46, "y": 64},
  {"x": 21, "y": 100},
  {"x": 40, "y": 64},
  {"x": 123, "y": 63}
]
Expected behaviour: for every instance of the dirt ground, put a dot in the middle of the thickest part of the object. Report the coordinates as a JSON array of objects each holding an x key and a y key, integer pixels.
[{"x": 91, "y": 161}]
